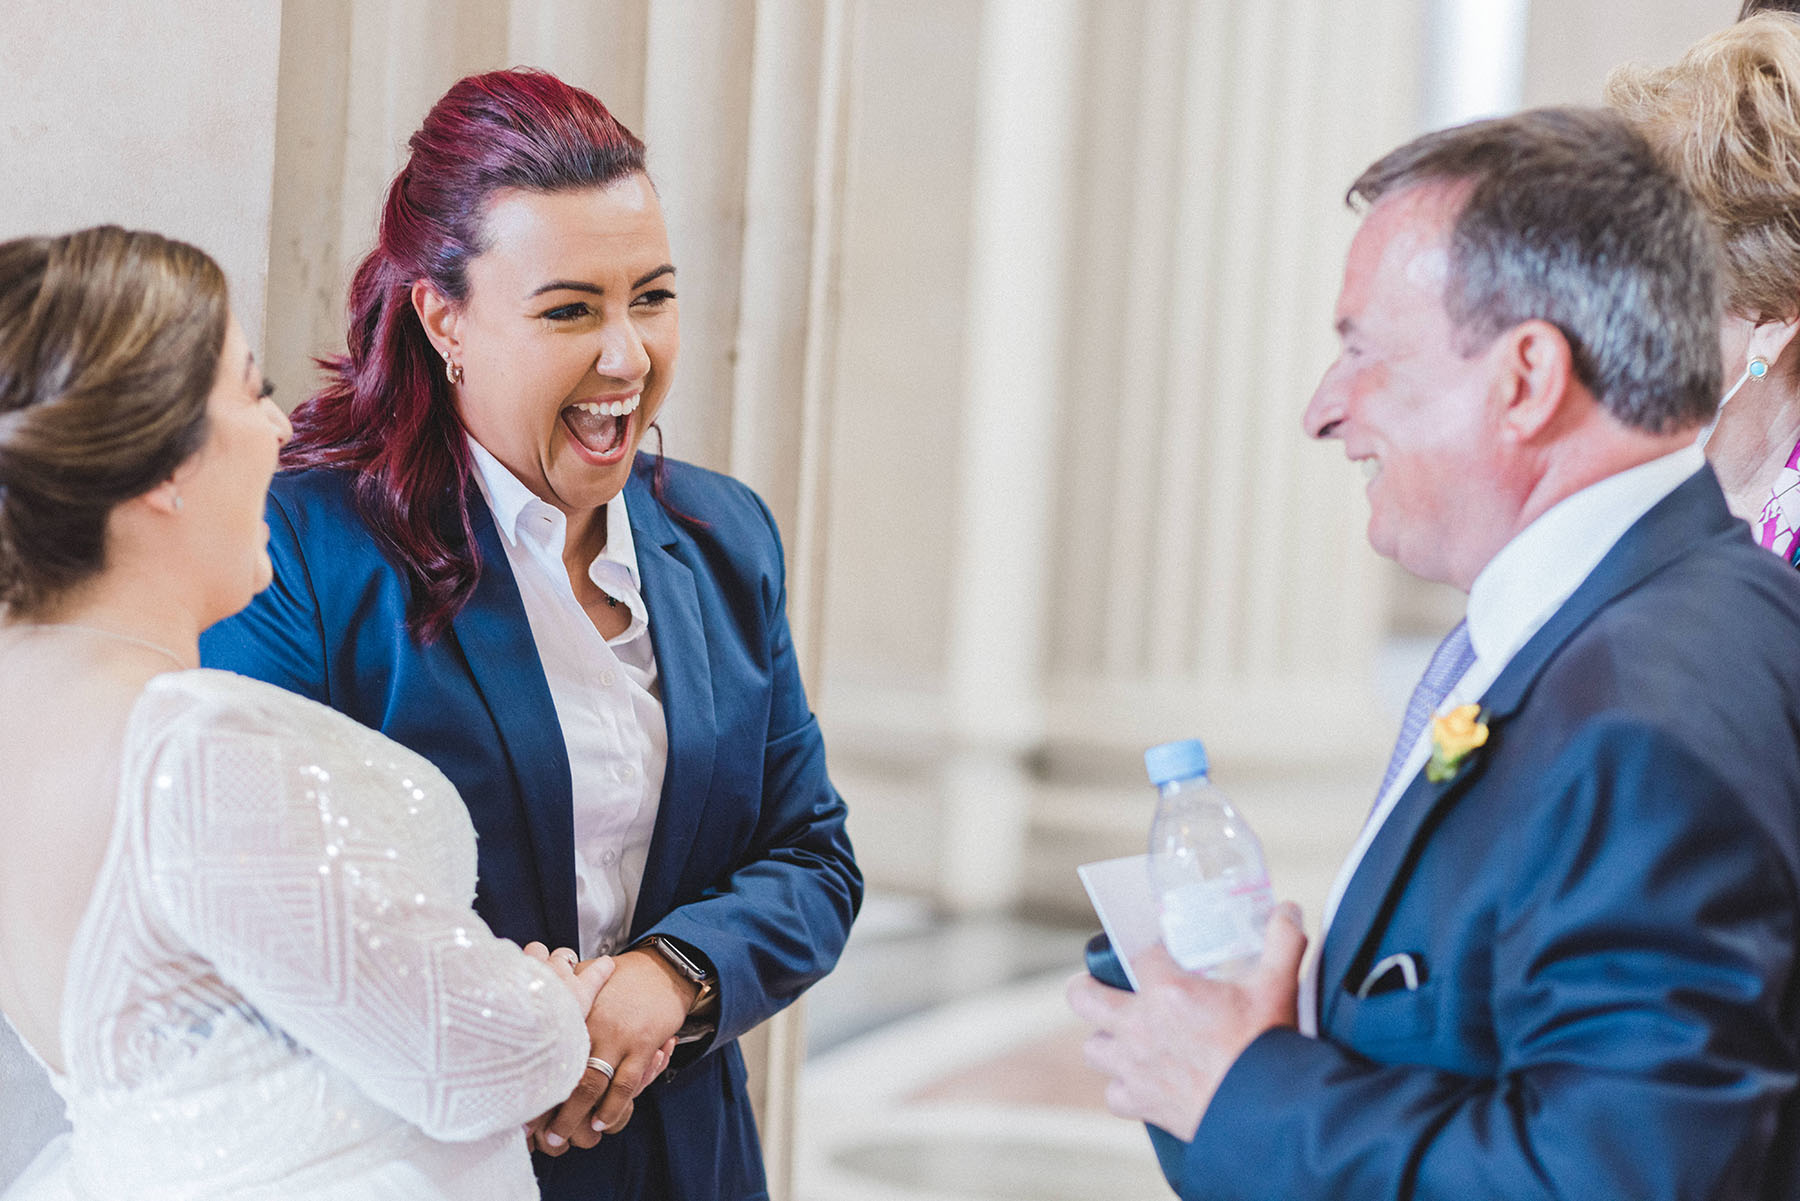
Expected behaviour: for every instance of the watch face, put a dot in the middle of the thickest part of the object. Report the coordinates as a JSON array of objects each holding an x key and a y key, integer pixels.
[{"x": 674, "y": 954}]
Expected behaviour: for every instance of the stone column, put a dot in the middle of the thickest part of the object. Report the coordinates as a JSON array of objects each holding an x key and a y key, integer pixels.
[
  {"x": 1001, "y": 556},
  {"x": 1214, "y": 576},
  {"x": 1080, "y": 515}
]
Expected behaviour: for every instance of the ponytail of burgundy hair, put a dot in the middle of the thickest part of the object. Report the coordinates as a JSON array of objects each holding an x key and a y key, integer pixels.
[{"x": 386, "y": 411}]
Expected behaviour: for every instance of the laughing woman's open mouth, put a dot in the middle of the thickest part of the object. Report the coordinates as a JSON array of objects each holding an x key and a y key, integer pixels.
[{"x": 601, "y": 428}]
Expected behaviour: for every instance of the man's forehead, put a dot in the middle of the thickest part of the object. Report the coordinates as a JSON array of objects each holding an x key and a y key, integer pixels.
[{"x": 1403, "y": 244}]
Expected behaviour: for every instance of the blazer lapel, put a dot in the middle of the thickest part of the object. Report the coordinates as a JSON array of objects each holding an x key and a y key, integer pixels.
[
  {"x": 1694, "y": 511},
  {"x": 497, "y": 643},
  {"x": 1376, "y": 887},
  {"x": 684, "y": 670}
]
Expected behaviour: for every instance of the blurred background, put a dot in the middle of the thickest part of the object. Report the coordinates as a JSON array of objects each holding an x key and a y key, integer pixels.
[{"x": 1010, "y": 309}]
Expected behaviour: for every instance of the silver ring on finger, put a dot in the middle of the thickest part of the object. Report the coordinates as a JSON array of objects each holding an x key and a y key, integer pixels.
[
  {"x": 601, "y": 1066},
  {"x": 567, "y": 956}
]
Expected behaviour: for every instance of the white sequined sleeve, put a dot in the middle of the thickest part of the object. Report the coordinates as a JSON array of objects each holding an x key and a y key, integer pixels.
[{"x": 330, "y": 884}]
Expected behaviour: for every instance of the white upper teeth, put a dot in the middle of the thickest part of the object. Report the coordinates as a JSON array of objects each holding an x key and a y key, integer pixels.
[{"x": 611, "y": 408}]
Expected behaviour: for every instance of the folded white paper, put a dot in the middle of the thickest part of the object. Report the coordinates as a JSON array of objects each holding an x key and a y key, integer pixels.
[{"x": 1120, "y": 892}]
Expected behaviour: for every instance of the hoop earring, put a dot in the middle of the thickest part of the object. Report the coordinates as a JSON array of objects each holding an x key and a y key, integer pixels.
[{"x": 452, "y": 370}]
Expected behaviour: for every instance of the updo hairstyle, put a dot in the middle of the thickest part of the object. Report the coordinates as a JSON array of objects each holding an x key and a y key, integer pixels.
[
  {"x": 1727, "y": 118},
  {"x": 109, "y": 345}
]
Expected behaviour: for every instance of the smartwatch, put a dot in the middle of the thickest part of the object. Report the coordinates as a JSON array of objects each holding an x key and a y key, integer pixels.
[{"x": 688, "y": 968}]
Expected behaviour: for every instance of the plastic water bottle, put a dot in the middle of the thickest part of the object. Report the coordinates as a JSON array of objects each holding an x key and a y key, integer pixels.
[{"x": 1206, "y": 867}]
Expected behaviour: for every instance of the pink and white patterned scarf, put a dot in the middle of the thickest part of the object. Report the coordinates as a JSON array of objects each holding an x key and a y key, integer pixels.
[{"x": 1779, "y": 525}]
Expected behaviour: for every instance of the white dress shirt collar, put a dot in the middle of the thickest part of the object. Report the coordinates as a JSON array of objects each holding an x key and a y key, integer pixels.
[
  {"x": 1537, "y": 571},
  {"x": 513, "y": 503}
]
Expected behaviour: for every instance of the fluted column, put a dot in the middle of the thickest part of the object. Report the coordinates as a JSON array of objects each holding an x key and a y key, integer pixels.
[
  {"x": 1000, "y": 551},
  {"x": 1078, "y": 512},
  {"x": 746, "y": 112},
  {"x": 1215, "y": 580}
]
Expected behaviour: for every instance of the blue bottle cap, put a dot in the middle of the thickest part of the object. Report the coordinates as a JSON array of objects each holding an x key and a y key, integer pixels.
[{"x": 1182, "y": 760}]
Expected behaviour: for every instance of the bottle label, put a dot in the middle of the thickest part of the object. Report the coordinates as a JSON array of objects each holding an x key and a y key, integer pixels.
[{"x": 1212, "y": 922}]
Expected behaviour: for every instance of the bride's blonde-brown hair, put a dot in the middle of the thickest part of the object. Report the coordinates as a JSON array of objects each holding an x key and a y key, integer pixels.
[
  {"x": 109, "y": 345},
  {"x": 1727, "y": 118}
]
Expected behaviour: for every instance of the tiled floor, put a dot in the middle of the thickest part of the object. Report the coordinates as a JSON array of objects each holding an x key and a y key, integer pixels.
[
  {"x": 946, "y": 1066},
  {"x": 980, "y": 1098}
]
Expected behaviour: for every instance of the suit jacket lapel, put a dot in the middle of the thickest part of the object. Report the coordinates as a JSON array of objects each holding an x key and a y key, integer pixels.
[
  {"x": 497, "y": 643},
  {"x": 684, "y": 671},
  {"x": 1692, "y": 512}
]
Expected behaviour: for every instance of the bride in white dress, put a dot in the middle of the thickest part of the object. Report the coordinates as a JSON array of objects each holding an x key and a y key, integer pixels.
[{"x": 234, "y": 924}]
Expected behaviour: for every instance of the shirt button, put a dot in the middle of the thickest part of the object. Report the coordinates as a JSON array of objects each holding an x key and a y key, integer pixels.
[
  {"x": 610, "y": 858},
  {"x": 606, "y": 679},
  {"x": 627, "y": 772}
]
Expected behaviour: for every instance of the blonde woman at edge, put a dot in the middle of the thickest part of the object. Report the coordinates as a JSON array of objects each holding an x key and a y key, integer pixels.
[
  {"x": 234, "y": 924},
  {"x": 1727, "y": 117}
]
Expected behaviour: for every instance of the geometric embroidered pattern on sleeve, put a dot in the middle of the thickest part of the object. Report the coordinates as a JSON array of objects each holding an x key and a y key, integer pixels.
[{"x": 279, "y": 983}]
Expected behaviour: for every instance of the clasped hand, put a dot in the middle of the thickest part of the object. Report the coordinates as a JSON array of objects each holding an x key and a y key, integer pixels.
[
  {"x": 1168, "y": 1046},
  {"x": 635, "y": 1006}
]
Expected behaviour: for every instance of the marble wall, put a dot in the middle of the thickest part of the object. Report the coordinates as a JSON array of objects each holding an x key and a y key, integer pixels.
[{"x": 145, "y": 115}]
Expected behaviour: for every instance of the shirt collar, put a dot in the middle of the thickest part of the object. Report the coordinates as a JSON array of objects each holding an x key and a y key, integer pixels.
[
  {"x": 510, "y": 501},
  {"x": 620, "y": 547},
  {"x": 506, "y": 497},
  {"x": 1537, "y": 571}
]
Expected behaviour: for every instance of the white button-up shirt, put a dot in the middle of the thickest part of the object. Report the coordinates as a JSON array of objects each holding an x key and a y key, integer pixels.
[
  {"x": 606, "y": 696},
  {"x": 1519, "y": 590}
]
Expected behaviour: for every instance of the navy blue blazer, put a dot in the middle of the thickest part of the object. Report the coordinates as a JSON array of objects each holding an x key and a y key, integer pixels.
[
  {"x": 749, "y": 862},
  {"x": 1605, "y": 903}
]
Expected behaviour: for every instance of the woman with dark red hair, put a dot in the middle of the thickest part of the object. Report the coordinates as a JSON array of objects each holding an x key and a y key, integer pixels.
[{"x": 472, "y": 556}]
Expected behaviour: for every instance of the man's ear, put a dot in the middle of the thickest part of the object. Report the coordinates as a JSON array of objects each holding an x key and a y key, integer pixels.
[
  {"x": 1536, "y": 378},
  {"x": 441, "y": 318}
]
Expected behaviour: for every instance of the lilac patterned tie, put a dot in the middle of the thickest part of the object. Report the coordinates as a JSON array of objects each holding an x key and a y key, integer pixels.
[{"x": 1448, "y": 663}]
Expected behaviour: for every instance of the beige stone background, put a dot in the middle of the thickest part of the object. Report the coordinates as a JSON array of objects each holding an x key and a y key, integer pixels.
[{"x": 1008, "y": 306}]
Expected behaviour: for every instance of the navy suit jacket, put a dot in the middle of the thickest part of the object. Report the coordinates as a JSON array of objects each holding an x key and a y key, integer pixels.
[
  {"x": 1605, "y": 901},
  {"x": 749, "y": 862}
]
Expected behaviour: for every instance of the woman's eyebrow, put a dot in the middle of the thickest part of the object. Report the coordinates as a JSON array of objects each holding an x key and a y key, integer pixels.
[
  {"x": 576, "y": 285},
  {"x": 566, "y": 285}
]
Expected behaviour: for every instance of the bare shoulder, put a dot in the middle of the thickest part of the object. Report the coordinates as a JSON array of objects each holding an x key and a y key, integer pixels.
[{"x": 54, "y": 699}]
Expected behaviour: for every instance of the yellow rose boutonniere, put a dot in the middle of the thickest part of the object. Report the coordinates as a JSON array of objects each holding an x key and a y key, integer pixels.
[{"x": 1453, "y": 736}]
